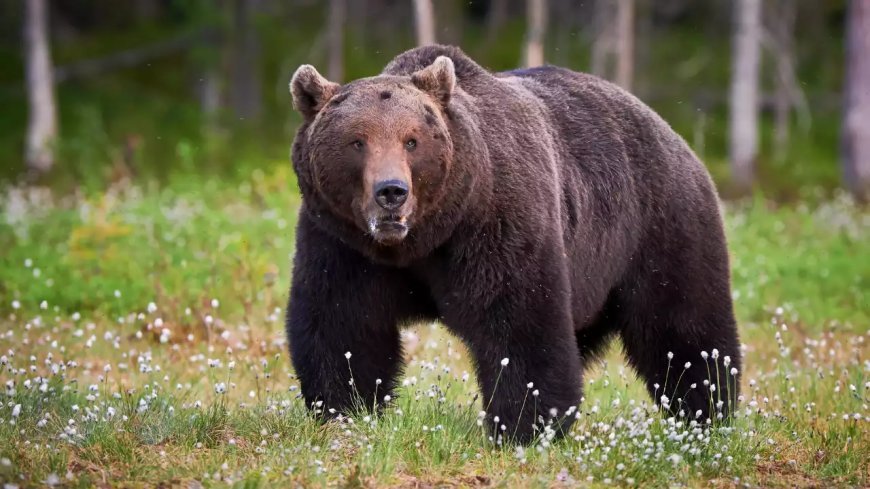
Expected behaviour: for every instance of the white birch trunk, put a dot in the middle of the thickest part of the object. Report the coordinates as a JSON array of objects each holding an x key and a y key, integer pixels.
[
  {"x": 746, "y": 58},
  {"x": 625, "y": 43},
  {"x": 425, "y": 22},
  {"x": 856, "y": 113},
  {"x": 537, "y": 25},
  {"x": 337, "y": 14},
  {"x": 42, "y": 122}
]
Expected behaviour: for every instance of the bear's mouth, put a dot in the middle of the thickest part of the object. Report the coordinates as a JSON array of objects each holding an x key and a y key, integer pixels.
[{"x": 389, "y": 230}]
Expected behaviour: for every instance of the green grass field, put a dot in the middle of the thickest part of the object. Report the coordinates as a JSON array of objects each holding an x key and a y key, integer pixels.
[{"x": 141, "y": 334}]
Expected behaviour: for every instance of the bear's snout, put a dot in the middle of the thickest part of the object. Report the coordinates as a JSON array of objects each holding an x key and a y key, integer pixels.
[
  {"x": 391, "y": 194},
  {"x": 388, "y": 214}
]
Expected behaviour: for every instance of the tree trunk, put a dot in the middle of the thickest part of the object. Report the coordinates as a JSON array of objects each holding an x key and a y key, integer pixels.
[
  {"x": 425, "y": 22},
  {"x": 209, "y": 90},
  {"x": 783, "y": 47},
  {"x": 744, "y": 92},
  {"x": 625, "y": 43},
  {"x": 246, "y": 95},
  {"x": 93, "y": 67},
  {"x": 603, "y": 42},
  {"x": 42, "y": 122},
  {"x": 495, "y": 19},
  {"x": 644, "y": 39},
  {"x": 699, "y": 134},
  {"x": 337, "y": 14},
  {"x": 537, "y": 26},
  {"x": 856, "y": 113}
]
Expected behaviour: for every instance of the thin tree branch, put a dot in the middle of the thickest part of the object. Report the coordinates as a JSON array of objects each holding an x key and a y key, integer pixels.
[{"x": 132, "y": 57}]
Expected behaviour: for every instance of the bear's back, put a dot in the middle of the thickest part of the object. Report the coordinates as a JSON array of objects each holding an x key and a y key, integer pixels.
[
  {"x": 591, "y": 116},
  {"x": 617, "y": 163},
  {"x": 607, "y": 131}
]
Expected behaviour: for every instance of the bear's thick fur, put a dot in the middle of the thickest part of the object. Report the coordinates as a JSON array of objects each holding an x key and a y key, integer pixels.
[{"x": 536, "y": 213}]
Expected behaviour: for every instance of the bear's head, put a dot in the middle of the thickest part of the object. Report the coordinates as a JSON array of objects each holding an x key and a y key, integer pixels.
[{"x": 376, "y": 152}]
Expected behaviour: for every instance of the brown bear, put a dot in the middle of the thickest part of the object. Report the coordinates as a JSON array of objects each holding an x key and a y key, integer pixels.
[{"x": 536, "y": 213}]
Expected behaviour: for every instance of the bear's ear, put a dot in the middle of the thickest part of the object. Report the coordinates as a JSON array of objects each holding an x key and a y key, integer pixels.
[
  {"x": 310, "y": 91},
  {"x": 437, "y": 79}
]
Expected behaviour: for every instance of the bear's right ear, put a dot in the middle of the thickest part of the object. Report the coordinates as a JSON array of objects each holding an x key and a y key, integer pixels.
[
  {"x": 310, "y": 91},
  {"x": 437, "y": 79}
]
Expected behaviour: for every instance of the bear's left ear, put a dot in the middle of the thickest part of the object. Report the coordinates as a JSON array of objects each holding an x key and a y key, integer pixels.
[
  {"x": 310, "y": 91},
  {"x": 437, "y": 79}
]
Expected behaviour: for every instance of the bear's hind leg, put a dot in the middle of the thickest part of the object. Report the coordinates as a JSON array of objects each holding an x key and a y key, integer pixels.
[{"x": 683, "y": 342}]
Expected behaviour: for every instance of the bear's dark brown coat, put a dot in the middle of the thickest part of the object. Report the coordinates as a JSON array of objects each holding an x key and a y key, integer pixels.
[{"x": 548, "y": 210}]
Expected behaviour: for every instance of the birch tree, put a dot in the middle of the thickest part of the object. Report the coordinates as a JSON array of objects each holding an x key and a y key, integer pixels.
[
  {"x": 744, "y": 106},
  {"x": 246, "y": 95},
  {"x": 424, "y": 18},
  {"x": 537, "y": 25},
  {"x": 613, "y": 47},
  {"x": 856, "y": 110},
  {"x": 42, "y": 121},
  {"x": 602, "y": 45},
  {"x": 625, "y": 43},
  {"x": 337, "y": 14},
  {"x": 783, "y": 25}
]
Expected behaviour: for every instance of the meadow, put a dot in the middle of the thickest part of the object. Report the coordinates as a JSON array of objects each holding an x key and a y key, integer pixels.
[{"x": 142, "y": 344}]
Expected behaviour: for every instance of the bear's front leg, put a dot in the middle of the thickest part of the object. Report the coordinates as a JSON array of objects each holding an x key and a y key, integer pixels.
[
  {"x": 342, "y": 324},
  {"x": 527, "y": 360}
]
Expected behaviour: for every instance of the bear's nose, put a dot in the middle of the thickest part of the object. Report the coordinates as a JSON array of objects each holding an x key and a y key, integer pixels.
[{"x": 391, "y": 194}]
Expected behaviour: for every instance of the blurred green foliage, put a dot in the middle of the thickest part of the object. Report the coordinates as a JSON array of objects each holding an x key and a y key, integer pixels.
[
  {"x": 182, "y": 243},
  {"x": 193, "y": 239},
  {"x": 682, "y": 71}
]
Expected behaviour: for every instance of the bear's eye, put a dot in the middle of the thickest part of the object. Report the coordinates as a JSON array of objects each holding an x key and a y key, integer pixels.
[
  {"x": 357, "y": 145},
  {"x": 411, "y": 144}
]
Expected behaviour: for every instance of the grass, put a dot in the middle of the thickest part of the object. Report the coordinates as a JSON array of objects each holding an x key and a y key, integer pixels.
[{"x": 141, "y": 334}]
